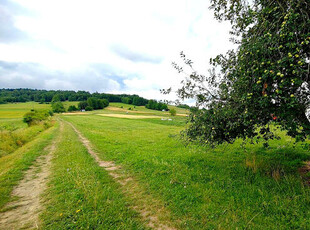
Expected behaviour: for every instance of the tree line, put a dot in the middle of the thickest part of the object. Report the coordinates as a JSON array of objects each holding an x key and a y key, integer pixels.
[
  {"x": 87, "y": 101},
  {"x": 47, "y": 96}
]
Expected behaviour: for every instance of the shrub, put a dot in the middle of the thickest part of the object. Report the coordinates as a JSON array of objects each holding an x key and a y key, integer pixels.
[
  {"x": 105, "y": 103},
  {"x": 58, "y": 107},
  {"x": 89, "y": 108},
  {"x": 172, "y": 112},
  {"x": 34, "y": 117},
  {"x": 72, "y": 108},
  {"x": 93, "y": 102},
  {"x": 82, "y": 105}
]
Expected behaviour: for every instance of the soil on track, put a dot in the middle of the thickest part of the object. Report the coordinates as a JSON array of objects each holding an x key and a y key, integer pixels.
[
  {"x": 24, "y": 212},
  {"x": 304, "y": 171},
  {"x": 129, "y": 116}
]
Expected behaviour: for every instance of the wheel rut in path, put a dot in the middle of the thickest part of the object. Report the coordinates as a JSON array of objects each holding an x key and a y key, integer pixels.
[
  {"x": 156, "y": 216},
  {"x": 304, "y": 172},
  {"x": 24, "y": 212}
]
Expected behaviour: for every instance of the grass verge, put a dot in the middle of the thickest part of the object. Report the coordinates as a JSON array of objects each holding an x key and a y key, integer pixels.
[
  {"x": 16, "y": 138},
  {"x": 13, "y": 166}
]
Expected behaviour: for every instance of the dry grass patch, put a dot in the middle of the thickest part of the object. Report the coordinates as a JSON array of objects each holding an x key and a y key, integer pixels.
[
  {"x": 129, "y": 116},
  {"x": 76, "y": 113}
]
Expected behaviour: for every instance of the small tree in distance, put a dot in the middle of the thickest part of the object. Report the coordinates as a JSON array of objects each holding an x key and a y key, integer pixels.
[
  {"x": 173, "y": 112},
  {"x": 82, "y": 105},
  {"x": 58, "y": 107},
  {"x": 72, "y": 108}
]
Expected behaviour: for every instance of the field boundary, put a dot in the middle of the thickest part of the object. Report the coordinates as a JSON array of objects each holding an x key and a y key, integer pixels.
[{"x": 155, "y": 215}]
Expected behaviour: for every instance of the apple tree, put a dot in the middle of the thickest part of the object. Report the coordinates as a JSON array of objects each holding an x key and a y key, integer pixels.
[{"x": 265, "y": 80}]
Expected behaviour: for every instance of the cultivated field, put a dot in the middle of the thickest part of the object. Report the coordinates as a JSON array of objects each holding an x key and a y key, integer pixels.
[{"x": 128, "y": 169}]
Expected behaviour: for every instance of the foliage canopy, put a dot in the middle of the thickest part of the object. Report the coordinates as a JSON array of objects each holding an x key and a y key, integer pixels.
[
  {"x": 153, "y": 104},
  {"x": 266, "y": 79},
  {"x": 58, "y": 107}
]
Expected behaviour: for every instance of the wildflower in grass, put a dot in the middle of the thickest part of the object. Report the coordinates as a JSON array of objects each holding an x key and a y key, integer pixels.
[{"x": 77, "y": 211}]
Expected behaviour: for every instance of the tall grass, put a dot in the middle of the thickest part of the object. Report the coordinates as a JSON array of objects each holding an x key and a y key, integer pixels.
[{"x": 12, "y": 139}]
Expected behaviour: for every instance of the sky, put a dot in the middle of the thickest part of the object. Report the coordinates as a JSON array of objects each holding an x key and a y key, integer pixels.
[{"x": 117, "y": 46}]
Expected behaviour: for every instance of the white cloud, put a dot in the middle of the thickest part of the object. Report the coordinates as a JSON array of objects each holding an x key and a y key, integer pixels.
[{"x": 135, "y": 40}]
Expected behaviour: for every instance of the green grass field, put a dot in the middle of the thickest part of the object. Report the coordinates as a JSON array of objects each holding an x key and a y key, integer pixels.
[
  {"x": 227, "y": 187},
  {"x": 14, "y": 133},
  {"x": 17, "y": 110}
]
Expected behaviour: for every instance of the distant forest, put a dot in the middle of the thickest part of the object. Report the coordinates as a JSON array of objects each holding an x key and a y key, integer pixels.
[{"x": 46, "y": 96}]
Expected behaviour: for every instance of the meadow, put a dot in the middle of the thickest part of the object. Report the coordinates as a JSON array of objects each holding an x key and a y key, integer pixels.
[
  {"x": 184, "y": 186},
  {"x": 14, "y": 133}
]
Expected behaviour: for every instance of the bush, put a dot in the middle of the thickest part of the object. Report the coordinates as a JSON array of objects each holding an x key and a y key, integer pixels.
[
  {"x": 173, "y": 112},
  {"x": 58, "y": 107},
  {"x": 34, "y": 117},
  {"x": 72, "y": 108},
  {"x": 82, "y": 105},
  {"x": 105, "y": 103},
  {"x": 89, "y": 108}
]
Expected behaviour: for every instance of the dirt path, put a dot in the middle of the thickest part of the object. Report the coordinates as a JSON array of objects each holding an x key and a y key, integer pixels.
[
  {"x": 304, "y": 173},
  {"x": 152, "y": 211},
  {"x": 24, "y": 212}
]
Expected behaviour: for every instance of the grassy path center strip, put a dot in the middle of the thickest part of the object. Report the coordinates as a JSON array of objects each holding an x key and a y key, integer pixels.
[
  {"x": 24, "y": 212},
  {"x": 130, "y": 187}
]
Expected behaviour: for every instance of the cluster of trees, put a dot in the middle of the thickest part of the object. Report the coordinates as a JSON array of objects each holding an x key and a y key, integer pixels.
[
  {"x": 134, "y": 100},
  {"x": 155, "y": 105},
  {"x": 47, "y": 96},
  {"x": 92, "y": 103},
  {"x": 265, "y": 80}
]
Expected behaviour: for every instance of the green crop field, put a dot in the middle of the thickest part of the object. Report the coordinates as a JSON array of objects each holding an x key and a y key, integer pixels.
[{"x": 121, "y": 168}]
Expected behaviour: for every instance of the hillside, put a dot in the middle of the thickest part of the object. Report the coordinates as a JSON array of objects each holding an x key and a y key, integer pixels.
[{"x": 127, "y": 169}]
